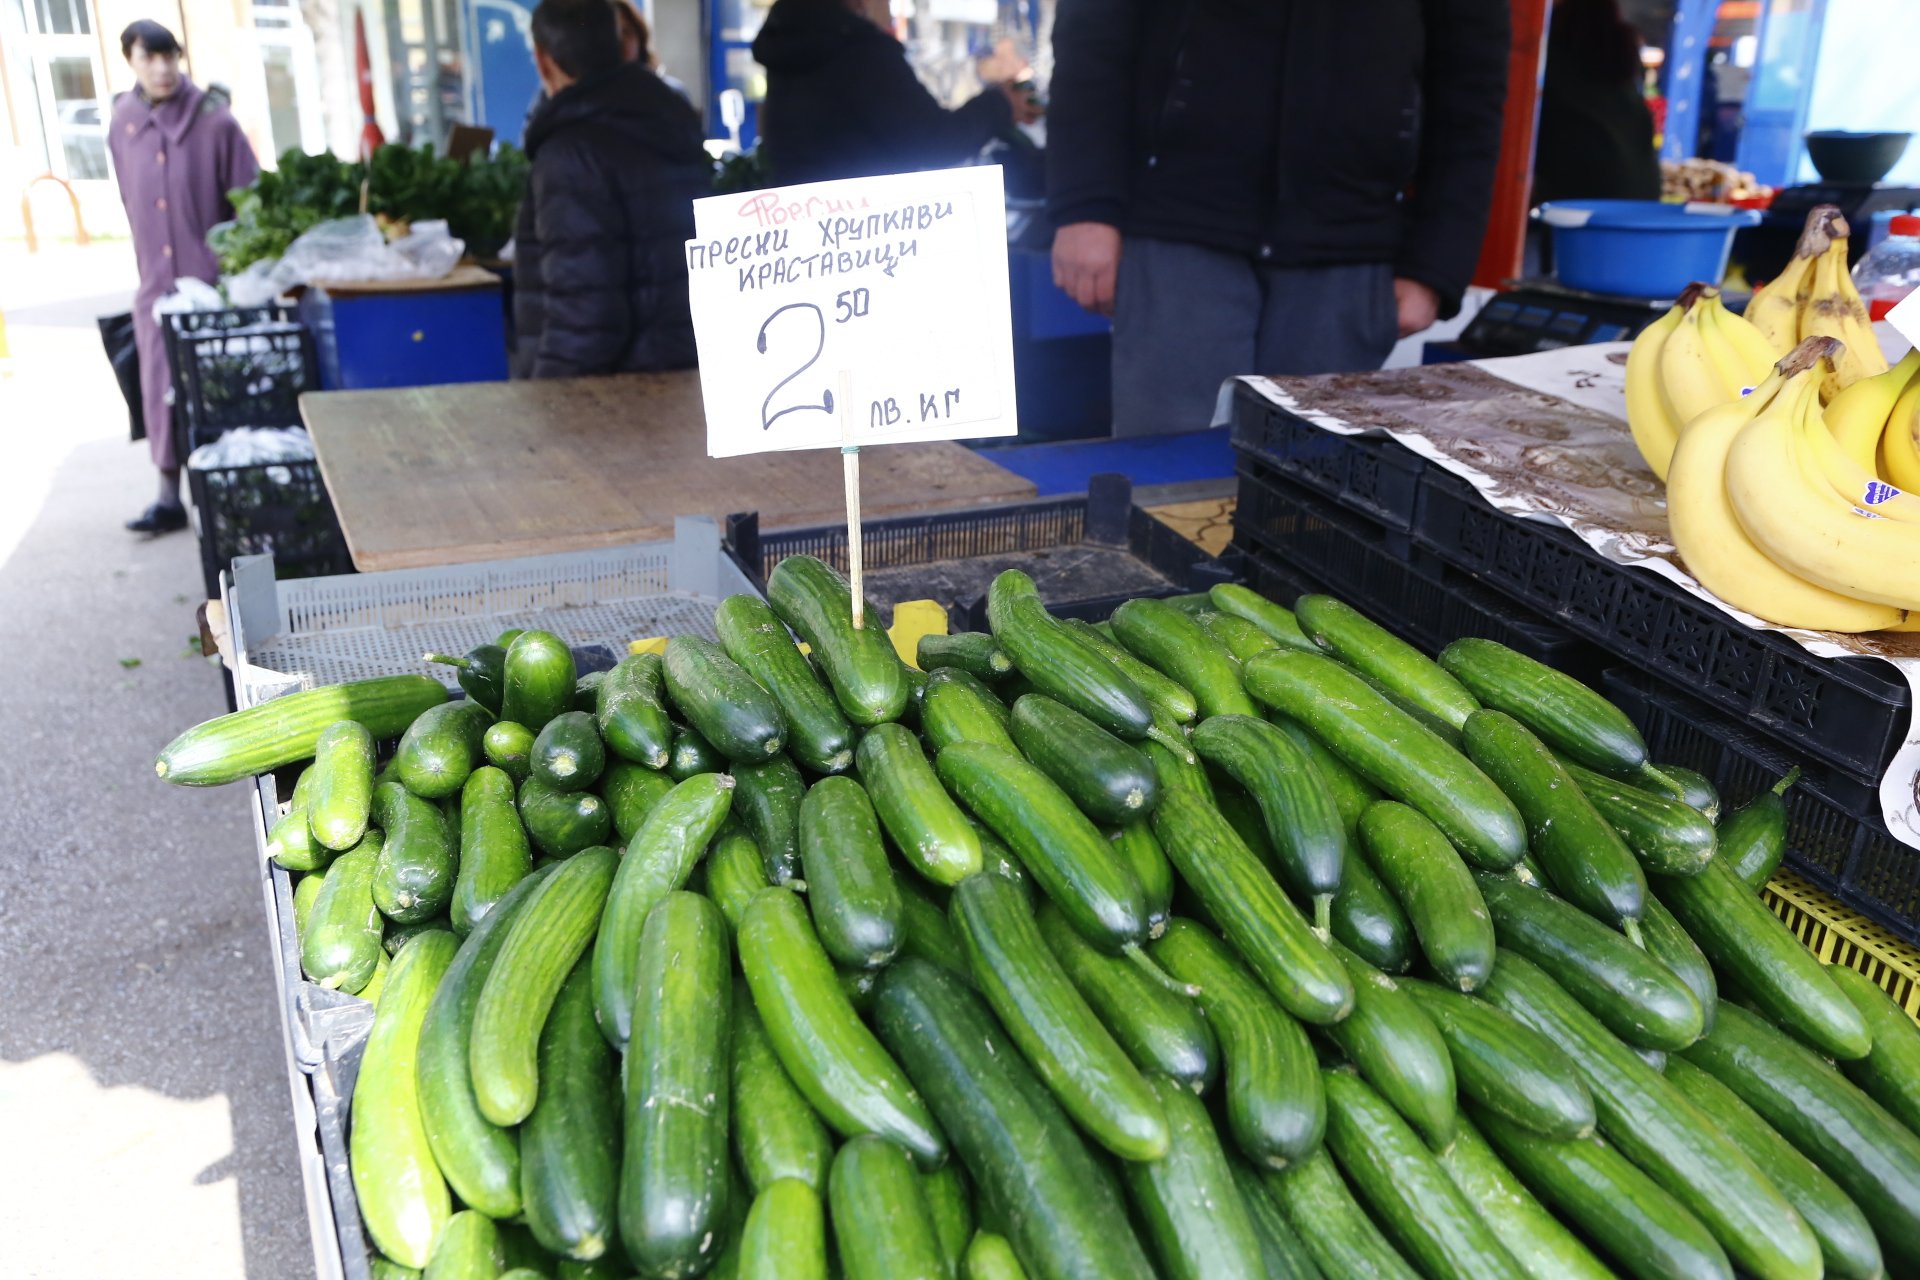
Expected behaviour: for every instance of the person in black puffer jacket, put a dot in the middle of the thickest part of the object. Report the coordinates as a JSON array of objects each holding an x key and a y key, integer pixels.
[{"x": 600, "y": 268}]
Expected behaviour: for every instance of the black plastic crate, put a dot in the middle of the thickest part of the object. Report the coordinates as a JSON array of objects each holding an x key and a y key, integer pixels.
[
  {"x": 1850, "y": 712},
  {"x": 1377, "y": 476},
  {"x": 1847, "y": 853},
  {"x": 277, "y": 508},
  {"x": 1086, "y": 554},
  {"x": 222, "y": 378}
]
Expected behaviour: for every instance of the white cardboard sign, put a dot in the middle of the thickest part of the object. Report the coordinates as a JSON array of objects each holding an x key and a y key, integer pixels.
[{"x": 864, "y": 312}]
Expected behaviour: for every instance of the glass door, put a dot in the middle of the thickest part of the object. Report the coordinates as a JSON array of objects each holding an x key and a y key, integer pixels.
[{"x": 63, "y": 67}]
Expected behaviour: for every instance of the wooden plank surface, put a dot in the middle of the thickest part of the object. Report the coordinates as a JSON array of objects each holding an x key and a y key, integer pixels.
[
  {"x": 466, "y": 276},
  {"x": 485, "y": 470}
]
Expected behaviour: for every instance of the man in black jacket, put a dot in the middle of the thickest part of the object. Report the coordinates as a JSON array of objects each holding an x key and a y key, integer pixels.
[
  {"x": 600, "y": 268},
  {"x": 1267, "y": 186}
]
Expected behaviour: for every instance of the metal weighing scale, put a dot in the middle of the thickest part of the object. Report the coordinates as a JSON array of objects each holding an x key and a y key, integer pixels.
[{"x": 1542, "y": 315}]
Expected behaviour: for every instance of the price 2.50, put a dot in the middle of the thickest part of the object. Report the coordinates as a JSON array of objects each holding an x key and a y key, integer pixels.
[{"x": 850, "y": 304}]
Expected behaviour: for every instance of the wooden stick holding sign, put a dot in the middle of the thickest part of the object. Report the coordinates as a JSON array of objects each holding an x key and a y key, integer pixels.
[{"x": 850, "y": 466}]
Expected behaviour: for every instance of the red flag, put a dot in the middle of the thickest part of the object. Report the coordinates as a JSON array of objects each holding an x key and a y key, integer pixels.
[{"x": 370, "y": 135}]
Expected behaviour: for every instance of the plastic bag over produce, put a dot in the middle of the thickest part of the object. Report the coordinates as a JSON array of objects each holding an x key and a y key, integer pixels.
[{"x": 347, "y": 250}]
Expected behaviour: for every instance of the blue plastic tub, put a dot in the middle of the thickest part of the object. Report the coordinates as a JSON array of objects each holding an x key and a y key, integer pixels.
[{"x": 1641, "y": 248}]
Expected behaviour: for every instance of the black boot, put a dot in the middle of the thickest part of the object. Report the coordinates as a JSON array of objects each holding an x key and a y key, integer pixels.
[{"x": 161, "y": 517}]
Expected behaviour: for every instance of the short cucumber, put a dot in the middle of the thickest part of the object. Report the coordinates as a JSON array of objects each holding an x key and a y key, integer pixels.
[
  {"x": 468, "y": 1249},
  {"x": 1753, "y": 839},
  {"x": 1160, "y": 690},
  {"x": 991, "y": 1257},
  {"x": 562, "y": 823},
  {"x": 1384, "y": 658},
  {"x": 1264, "y": 927},
  {"x": 538, "y": 680},
  {"x": 1748, "y": 944},
  {"x": 1399, "y": 1050},
  {"x": 1285, "y": 1254},
  {"x": 1236, "y": 635},
  {"x": 1060, "y": 1035},
  {"x": 1689, "y": 786},
  {"x": 767, "y": 798},
  {"x": 1567, "y": 715},
  {"x": 441, "y": 748},
  {"x": 880, "y": 1217},
  {"x": 304, "y": 894},
  {"x": 284, "y": 730},
  {"x": 1188, "y": 1201},
  {"x": 568, "y": 754},
  {"x": 922, "y": 819},
  {"x": 1368, "y": 920},
  {"x": 775, "y": 1130},
  {"x": 1596, "y": 1190},
  {"x": 1141, "y": 849},
  {"x": 951, "y": 1205},
  {"x": 1160, "y": 1030},
  {"x": 1846, "y": 1241},
  {"x": 1061, "y": 663},
  {"x": 1890, "y": 1073},
  {"x": 1032, "y": 1171},
  {"x": 1276, "y": 621},
  {"x": 403, "y": 1199},
  {"x": 926, "y": 932},
  {"x": 866, "y": 676},
  {"x": 1506, "y": 1066},
  {"x": 341, "y": 943},
  {"x": 1393, "y": 751},
  {"x": 722, "y": 701},
  {"x": 586, "y": 691},
  {"x": 973, "y": 652},
  {"x": 958, "y": 708},
  {"x": 630, "y": 709},
  {"x": 658, "y": 861},
  {"x": 731, "y": 873},
  {"x": 828, "y": 1052},
  {"x": 290, "y": 841},
  {"x": 1109, "y": 779},
  {"x": 397, "y": 936},
  {"x": 1674, "y": 947},
  {"x": 1544, "y": 1249},
  {"x": 631, "y": 791},
  {"x": 1173, "y": 643},
  {"x": 546, "y": 939},
  {"x": 1442, "y": 902},
  {"x": 1274, "y": 1106},
  {"x": 342, "y": 798},
  {"x": 494, "y": 853},
  {"x": 785, "y": 1236},
  {"x": 1405, "y": 1187},
  {"x": 508, "y": 747},
  {"x": 1302, "y": 822},
  {"x": 673, "y": 1173},
  {"x": 1668, "y": 837},
  {"x": 481, "y": 673},
  {"x": 1585, "y": 860},
  {"x": 692, "y": 754},
  {"x": 413, "y": 876},
  {"x": 850, "y": 886},
  {"x": 818, "y": 734},
  {"x": 570, "y": 1143},
  {"x": 1337, "y": 1232}
]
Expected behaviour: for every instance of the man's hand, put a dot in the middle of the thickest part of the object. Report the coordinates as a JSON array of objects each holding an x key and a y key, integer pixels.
[
  {"x": 1086, "y": 259},
  {"x": 1026, "y": 108},
  {"x": 1417, "y": 305}
]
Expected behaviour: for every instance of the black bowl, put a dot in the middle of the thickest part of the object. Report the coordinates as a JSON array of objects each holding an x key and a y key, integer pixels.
[{"x": 1863, "y": 158}]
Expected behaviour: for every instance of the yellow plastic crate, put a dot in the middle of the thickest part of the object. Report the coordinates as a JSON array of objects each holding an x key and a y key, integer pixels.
[{"x": 1840, "y": 936}]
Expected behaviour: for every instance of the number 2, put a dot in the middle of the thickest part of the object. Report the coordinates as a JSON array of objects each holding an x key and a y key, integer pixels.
[{"x": 768, "y": 414}]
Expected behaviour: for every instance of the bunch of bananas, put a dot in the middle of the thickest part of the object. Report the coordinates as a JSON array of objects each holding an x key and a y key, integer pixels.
[{"x": 1814, "y": 297}]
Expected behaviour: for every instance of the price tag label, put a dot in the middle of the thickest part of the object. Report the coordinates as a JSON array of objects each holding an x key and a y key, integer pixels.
[
  {"x": 893, "y": 288},
  {"x": 1905, "y": 318}
]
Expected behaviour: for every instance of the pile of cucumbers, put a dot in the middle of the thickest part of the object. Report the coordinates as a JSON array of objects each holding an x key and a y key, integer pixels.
[{"x": 1217, "y": 940}]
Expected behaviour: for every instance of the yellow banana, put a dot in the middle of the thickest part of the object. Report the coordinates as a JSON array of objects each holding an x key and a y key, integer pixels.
[
  {"x": 1859, "y": 415},
  {"x": 1718, "y": 552},
  {"x": 1856, "y": 484},
  {"x": 1743, "y": 350},
  {"x": 1802, "y": 525},
  {"x": 1899, "y": 450},
  {"x": 1775, "y": 309},
  {"x": 1648, "y": 417},
  {"x": 1689, "y": 375},
  {"x": 1836, "y": 311}
]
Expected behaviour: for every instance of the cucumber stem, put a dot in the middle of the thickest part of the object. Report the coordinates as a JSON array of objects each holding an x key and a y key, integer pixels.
[
  {"x": 1665, "y": 780},
  {"x": 1134, "y": 952},
  {"x": 1174, "y": 742},
  {"x": 1793, "y": 776},
  {"x": 1632, "y": 929},
  {"x": 1323, "y": 914},
  {"x": 447, "y": 660}
]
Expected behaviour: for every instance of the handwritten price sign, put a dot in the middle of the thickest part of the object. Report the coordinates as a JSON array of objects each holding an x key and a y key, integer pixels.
[{"x": 870, "y": 311}]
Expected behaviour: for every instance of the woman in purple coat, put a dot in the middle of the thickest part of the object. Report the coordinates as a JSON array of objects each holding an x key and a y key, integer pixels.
[{"x": 177, "y": 152}]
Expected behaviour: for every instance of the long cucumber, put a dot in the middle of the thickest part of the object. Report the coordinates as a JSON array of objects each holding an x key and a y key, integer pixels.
[
  {"x": 1384, "y": 658},
  {"x": 1569, "y": 716},
  {"x": 1172, "y": 642},
  {"x": 1507, "y": 1067},
  {"x": 1398, "y": 1050},
  {"x": 570, "y": 1142},
  {"x": 1278, "y": 622},
  {"x": 850, "y": 884},
  {"x": 866, "y": 676},
  {"x": 1161, "y": 1030},
  {"x": 881, "y": 1221},
  {"x": 1339, "y": 1235},
  {"x": 1193, "y": 1211},
  {"x": 1285, "y": 1254},
  {"x": 1890, "y": 1073},
  {"x": 925, "y": 824},
  {"x": 1544, "y": 1248},
  {"x": 775, "y": 1130},
  {"x": 1302, "y": 822},
  {"x": 1434, "y": 886},
  {"x": 818, "y": 734},
  {"x": 1059, "y": 662},
  {"x": 1670, "y": 838}
]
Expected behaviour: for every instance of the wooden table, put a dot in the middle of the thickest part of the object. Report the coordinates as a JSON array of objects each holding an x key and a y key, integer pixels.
[{"x": 482, "y": 471}]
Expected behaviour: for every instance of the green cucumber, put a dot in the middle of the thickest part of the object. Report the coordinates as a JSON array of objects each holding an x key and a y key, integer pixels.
[
  {"x": 631, "y": 790},
  {"x": 397, "y": 936},
  {"x": 1264, "y": 927},
  {"x": 881, "y": 1221},
  {"x": 922, "y": 819},
  {"x": 562, "y": 823},
  {"x": 1429, "y": 879},
  {"x": 1393, "y": 751},
  {"x": 658, "y": 861},
  {"x": 693, "y": 755},
  {"x": 1750, "y": 945},
  {"x": 958, "y": 708},
  {"x": 413, "y": 876},
  {"x": 1178, "y": 767},
  {"x": 631, "y": 711},
  {"x": 926, "y": 932},
  {"x": 1109, "y": 779},
  {"x": 991, "y": 1257},
  {"x": 1160, "y": 1030},
  {"x": 1281, "y": 1248},
  {"x": 1668, "y": 837},
  {"x": 568, "y": 754},
  {"x": 1338, "y": 1234},
  {"x": 1368, "y": 920},
  {"x": 829, "y": 1054},
  {"x": 482, "y": 674},
  {"x": 1846, "y": 1241},
  {"x": 469, "y": 1248},
  {"x": 1351, "y": 793},
  {"x": 1534, "y": 1238},
  {"x": 546, "y": 939},
  {"x": 1278, "y": 622},
  {"x": 304, "y": 895},
  {"x": 387, "y": 1269},
  {"x": 768, "y": 798},
  {"x": 1075, "y": 866},
  {"x": 1075, "y": 1054},
  {"x": 287, "y": 729},
  {"x": 1141, "y": 850},
  {"x": 1890, "y": 1073},
  {"x": 722, "y": 702},
  {"x": 1274, "y": 1106},
  {"x": 1160, "y": 690},
  {"x": 1236, "y": 635},
  {"x": 1398, "y": 1049},
  {"x": 850, "y": 886},
  {"x": 1674, "y": 947},
  {"x": 570, "y": 1143},
  {"x": 1639, "y": 998},
  {"x": 1565, "y": 714},
  {"x": 1033, "y": 1173},
  {"x": 1506, "y": 1066},
  {"x": 1753, "y": 839},
  {"x": 732, "y": 873},
  {"x": 441, "y": 748},
  {"x": 1656, "y": 1127},
  {"x": 866, "y": 675},
  {"x": 1302, "y": 822},
  {"x": 341, "y": 943},
  {"x": 290, "y": 841},
  {"x": 1405, "y": 1187},
  {"x": 973, "y": 652},
  {"x": 818, "y": 735},
  {"x": 1596, "y": 1190},
  {"x": 1402, "y": 671},
  {"x": 1689, "y": 786},
  {"x": 951, "y": 1205},
  {"x": 673, "y": 1174},
  {"x": 1188, "y": 1200},
  {"x": 775, "y": 1130},
  {"x": 858, "y": 985},
  {"x": 403, "y": 1199},
  {"x": 508, "y": 747},
  {"x": 342, "y": 798},
  {"x": 539, "y": 679},
  {"x": 1585, "y": 860},
  {"x": 1173, "y": 643},
  {"x": 494, "y": 853},
  {"x": 785, "y": 1236},
  {"x": 586, "y": 691},
  {"x": 1060, "y": 662}
]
